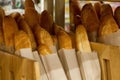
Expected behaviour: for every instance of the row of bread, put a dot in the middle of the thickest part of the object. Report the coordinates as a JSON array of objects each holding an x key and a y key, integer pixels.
[
  {"x": 101, "y": 23},
  {"x": 26, "y": 34}
]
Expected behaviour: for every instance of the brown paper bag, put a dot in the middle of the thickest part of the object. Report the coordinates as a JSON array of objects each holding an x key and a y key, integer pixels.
[
  {"x": 89, "y": 66},
  {"x": 112, "y": 39},
  {"x": 109, "y": 57}
]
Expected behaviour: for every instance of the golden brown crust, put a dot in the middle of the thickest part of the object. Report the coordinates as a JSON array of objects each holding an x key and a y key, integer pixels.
[
  {"x": 97, "y": 6},
  {"x": 2, "y": 14},
  {"x": 64, "y": 40},
  {"x": 29, "y": 4},
  {"x": 89, "y": 18},
  {"x": 42, "y": 36},
  {"x": 82, "y": 42},
  {"x": 107, "y": 26},
  {"x": 44, "y": 49},
  {"x": 117, "y": 15},
  {"x": 31, "y": 17},
  {"x": 55, "y": 41},
  {"x": 21, "y": 40},
  {"x": 57, "y": 28},
  {"x": 72, "y": 36},
  {"x": 25, "y": 27},
  {"x": 9, "y": 29},
  {"x": 46, "y": 21},
  {"x": 105, "y": 9},
  {"x": 15, "y": 15}
]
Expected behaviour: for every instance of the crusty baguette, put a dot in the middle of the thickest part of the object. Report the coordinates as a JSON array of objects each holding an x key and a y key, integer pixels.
[
  {"x": 72, "y": 36},
  {"x": 15, "y": 15},
  {"x": 46, "y": 21},
  {"x": 44, "y": 49},
  {"x": 56, "y": 28},
  {"x": 107, "y": 26},
  {"x": 2, "y": 14},
  {"x": 82, "y": 42},
  {"x": 9, "y": 29},
  {"x": 117, "y": 15},
  {"x": 29, "y": 4},
  {"x": 97, "y": 6},
  {"x": 105, "y": 9},
  {"x": 55, "y": 41},
  {"x": 31, "y": 17},
  {"x": 42, "y": 36},
  {"x": 64, "y": 40},
  {"x": 25, "y": 27},
  {"x": 89, "y": 18},
  {"x": 21, "y": 40}
]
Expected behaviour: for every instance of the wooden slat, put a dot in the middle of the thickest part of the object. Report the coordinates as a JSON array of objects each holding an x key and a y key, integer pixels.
[
  {"x": 16, "y": 68},
  {"x": 109, "y": 57}
]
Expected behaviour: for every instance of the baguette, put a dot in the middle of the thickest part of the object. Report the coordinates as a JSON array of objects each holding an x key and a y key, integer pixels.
[
  {"x": 25, "y": 27},
  {"x": 82, "y": 42},
  {"x": 15, "y": 15},
  {"x": 105, "y": 10},
  {"x": 42, "y": 36},
  {"x": 31, "y": 17},
  {"x": 64, "y": 40},
  {"x": 117, "y": 15},
  {"x": 46, "y": 21},
  {"x": 2, "y": 14},
  {"x": 107, "y": 26},
  {"x": 89, "y": 18},
  {"x": 44, "y": 49},
  {"x": 9, "y": 29},
  {"x": 97, "y": 6},
  {"x": 21, "y": 40},
  {"x": 29, "y": 4}
]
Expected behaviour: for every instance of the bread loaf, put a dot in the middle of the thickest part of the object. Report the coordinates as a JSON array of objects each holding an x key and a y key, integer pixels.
[
  {"x": 44, "y": 49},
  {"x": 15, "y": 15},
  {"x": 82, "y": 42},
  {"x": 89, "y": 18},
  {"x": 31, "y": 17},
  {"x": 107, "y": 26},
  {"x": 64, "y": 40},
  {"x": 105, "y": 9},
  {"x": 25, "y": 27},
  {"x": 72, "y": 36},
  {"x": 42, "y": 36},
  {"x": 21, "y": 40},
  {"x": 46, "y": 21},
  {"x": 29, "y": 4},
  {"x": 2, "y": 14},
  {"x": 97, "y": 6},
  {"x": 9, "y": 29},
  {"x": 57, "y": 28},
  {"x": 117, "y": 15}
]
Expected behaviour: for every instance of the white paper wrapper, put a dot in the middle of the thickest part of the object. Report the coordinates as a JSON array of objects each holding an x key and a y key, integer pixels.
[
  {"x": 43, "y": 74},
  {"x": 25, "y": 52},
  {"x": 111, "y": 39},
  {"x": 53, "y": 67},
  {"x": 89, "y": 66},
  {"x": 70, "y": 64}
]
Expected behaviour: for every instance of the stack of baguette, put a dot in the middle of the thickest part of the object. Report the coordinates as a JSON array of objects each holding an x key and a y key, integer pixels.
[{"x": 39, "y": 31}]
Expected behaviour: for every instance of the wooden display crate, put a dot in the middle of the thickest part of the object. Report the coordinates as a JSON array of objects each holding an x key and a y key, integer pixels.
[
  {"x": 17, "y": 68},
  {"x": 109, "y": 57}
]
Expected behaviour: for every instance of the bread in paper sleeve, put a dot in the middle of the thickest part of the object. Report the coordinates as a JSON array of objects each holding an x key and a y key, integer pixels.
[
  {"x": 68, "y": 56},
  {"x": 26, "y": 28},
  {"x": 90, "y": 23},
  {"x": 9, "y": 29},
  {"x": 87, "y": 59},
  {"x": 109, "y": 31}
]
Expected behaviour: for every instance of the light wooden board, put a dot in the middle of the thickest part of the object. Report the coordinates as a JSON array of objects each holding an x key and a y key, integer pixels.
[
  {"x": 16, "y": 68},
  {"x": 109, "y": 57}
]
